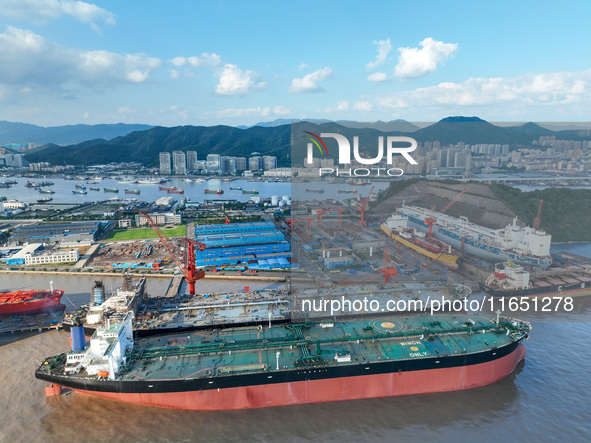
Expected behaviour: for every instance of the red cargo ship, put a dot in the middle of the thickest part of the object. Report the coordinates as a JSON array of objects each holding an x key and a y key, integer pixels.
[{"x": 34, "y": 301}]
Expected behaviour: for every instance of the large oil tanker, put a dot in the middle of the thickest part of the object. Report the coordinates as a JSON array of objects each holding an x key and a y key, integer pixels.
[
  {"x": 35, "y": 301},
  {"x": 396, "y": 227},
  {"x": 522, "y": 245},
  {"x": 511, "y": 280},
  {"x": 288, "y": 364}
]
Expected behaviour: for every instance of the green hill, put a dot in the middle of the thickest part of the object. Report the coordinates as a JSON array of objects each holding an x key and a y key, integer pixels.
[
  {"x": 144, "y": 146},
  {"x": 566, "y": 213}
]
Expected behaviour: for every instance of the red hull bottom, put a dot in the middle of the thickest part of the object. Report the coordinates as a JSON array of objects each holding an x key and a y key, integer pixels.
[
  {"x": 32, "y": 308},
  {"x": 336, "y": 389}
]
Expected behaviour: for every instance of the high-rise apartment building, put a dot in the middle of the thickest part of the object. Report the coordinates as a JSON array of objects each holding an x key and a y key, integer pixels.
[
  {"x": 179, "y": 163},
  {"x": 191, "y": 161},
  {"x": 240, "y": 163},
  {"x": 165, "y": 163},
  {"x": 214, "y": 163},
  {"x": 255, "y": 163},
  {"x": 229, "y": 165},
  {"x": 269, "y": 162}
]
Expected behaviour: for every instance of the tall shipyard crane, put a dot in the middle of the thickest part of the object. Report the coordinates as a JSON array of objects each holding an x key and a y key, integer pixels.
[
  {"x": 187, "y": 265},
  {"x": 362, "y": 207}
]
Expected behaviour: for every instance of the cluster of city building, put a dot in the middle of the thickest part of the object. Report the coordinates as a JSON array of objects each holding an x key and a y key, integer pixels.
[
  {"x": 183, "y": 163},
  {"x": 461, "y": 159},
  {"x": 431, "y": 158}
]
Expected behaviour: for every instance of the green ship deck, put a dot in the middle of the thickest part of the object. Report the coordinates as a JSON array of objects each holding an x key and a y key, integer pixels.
[{"x": 292, "y": 346}]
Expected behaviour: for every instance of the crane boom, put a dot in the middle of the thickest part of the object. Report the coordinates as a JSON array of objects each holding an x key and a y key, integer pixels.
[
  {"x": 363, "y": 206},
  {"x": 429, "y": 221},
  {"x": 538, "y": 218},
  {"x": 188, "y": 268},
  {"x": 165, "y": 241},
  {"x": 453, "y": 200}
]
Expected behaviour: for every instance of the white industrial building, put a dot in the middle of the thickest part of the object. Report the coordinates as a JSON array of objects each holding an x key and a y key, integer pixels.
[
  {"x": 170, "y": 218},
  {"x": 59, "y": 256}
]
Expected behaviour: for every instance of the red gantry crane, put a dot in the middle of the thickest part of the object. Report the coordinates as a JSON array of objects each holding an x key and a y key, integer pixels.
[
  {"x": 363, "y": 206},
  {"x": 321, "y": 212},
  {"x": 291, "y": 222},
  {"x": 187, "y": 266},
  {"x": 388, "y": 271}
]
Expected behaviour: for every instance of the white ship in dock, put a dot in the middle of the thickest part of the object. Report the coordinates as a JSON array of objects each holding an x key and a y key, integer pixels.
[{"x": 522, "y": 245}]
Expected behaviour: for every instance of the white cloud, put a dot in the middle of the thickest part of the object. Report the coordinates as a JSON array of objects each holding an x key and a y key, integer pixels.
[
  {"x": 179, "y": 61},
  {"x": 302, "y": 66},
  {"x": 415, "y": 62},
  {"x": 28, "y": 59},
  {"x": 529, "y": 90},
  {"x": 282, "y": 110},
  {"x": 242, "y": 112},
  {"x": 384, "y": 48},
  {"x": 178, "y": 111},
  {"x": 342, "y": 105},
  {"x": 363, "y": 105},
  {"x": 41, "y": 11},
  {"x": 309, "y": 83},
  {"x": 175, "y": 74},
  {"x": 377, "y": 77},
  {"x": 235, "y": 81},
  {"x": 258, "y": 111},
  {"x": 209, "y": 60},
  {"x": 137, "y": 76},
  {"x": 123, "y": 113},
  {"x": 205, "y": 60}
]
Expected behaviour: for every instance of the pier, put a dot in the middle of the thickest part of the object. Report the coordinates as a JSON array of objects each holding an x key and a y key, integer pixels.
[
  {"x": 33, "y": 323},
  {"x": 175, "y": 286}
]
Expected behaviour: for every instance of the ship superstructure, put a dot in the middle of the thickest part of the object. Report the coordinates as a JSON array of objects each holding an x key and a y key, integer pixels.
[
  {"x": 511, "y": 280},
  {"x": 103, "y": 309}
]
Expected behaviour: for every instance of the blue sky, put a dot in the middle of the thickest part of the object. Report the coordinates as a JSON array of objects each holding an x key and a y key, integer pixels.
[{"x": 182, "y": 62}]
